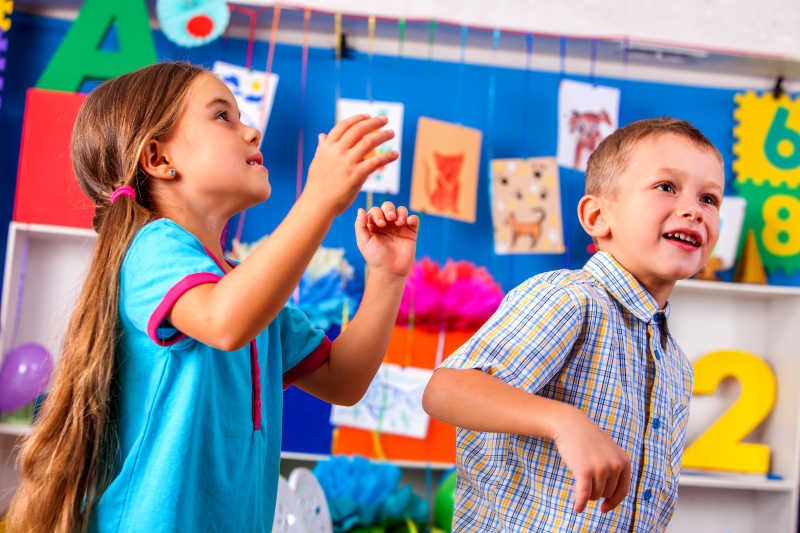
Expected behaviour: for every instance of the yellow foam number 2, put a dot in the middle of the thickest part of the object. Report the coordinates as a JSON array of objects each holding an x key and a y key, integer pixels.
[
  {"x": 719, "y": 448},
  {"x": 781, "y": 214}
]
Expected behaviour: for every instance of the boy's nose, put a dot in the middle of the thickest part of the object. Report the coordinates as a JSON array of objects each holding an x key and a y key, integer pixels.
[{"x": 691, "y": 213}]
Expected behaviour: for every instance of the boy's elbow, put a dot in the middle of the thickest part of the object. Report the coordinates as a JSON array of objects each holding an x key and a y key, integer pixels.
[{"x": 432, "y": 396}]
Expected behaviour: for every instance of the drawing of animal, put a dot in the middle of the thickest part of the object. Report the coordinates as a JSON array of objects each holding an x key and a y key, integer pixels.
[
  {"x": 587, "y": 126},
  {"x": 531, "y": 229},
  {"x": 443, "y": 193}
]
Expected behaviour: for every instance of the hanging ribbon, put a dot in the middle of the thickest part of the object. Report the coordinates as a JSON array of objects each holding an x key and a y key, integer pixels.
[{"x": 593, "y": 61}]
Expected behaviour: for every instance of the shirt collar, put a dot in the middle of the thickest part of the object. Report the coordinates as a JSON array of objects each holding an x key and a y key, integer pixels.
[{"x": 624, "y": 287}]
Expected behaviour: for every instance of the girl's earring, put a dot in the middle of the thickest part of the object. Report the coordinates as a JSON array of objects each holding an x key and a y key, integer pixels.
[{"x": 172, "y": 172}]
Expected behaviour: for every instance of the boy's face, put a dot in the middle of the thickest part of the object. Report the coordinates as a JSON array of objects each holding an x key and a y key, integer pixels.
[{"x": 663, "y": 215}]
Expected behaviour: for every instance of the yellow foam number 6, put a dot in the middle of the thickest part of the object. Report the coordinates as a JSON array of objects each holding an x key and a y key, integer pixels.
[{"x": 719, "y": 448}]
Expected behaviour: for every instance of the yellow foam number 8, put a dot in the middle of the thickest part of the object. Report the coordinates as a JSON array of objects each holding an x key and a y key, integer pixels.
[
  {"x": 781, "y": 214},
  {"x": 719, "y": 448}
]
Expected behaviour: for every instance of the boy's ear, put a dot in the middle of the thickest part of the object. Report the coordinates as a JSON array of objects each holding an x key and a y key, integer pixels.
[
  {"x": 155, "y": 162},
  {"x": 591, "y": 214}
]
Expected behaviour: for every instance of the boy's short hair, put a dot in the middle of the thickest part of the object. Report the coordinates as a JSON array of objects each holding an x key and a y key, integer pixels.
[{"x": 611, "y": 157}]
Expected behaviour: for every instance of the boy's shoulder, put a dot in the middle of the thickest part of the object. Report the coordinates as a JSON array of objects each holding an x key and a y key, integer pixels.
[{"x": 576, "y": 286}]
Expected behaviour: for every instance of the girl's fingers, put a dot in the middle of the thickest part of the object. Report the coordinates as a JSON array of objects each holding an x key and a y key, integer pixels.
[
  {"x": 361, "y": 224},
  {"x": 402, "y": 215},
  {"x": 344, "y": 125},
  {"x": 389, "y": 211},
  {"x": 377, "y": 217},
  {"x": 413, "y": 222},
  {"x": 368, "y": 166},
  {"x": 581, "y": 492},
  {"x": 368, "y": 144},
  {"x": 358, "y": 130}
]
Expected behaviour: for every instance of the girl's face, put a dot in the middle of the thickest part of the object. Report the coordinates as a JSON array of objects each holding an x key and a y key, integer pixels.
[{"x": 219, "y": 167}]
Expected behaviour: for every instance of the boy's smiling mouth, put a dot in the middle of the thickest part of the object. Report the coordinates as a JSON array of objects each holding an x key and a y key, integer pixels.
[{"x": 685, "y": 237}]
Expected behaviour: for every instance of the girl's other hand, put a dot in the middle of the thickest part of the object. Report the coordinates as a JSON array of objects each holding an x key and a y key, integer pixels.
[
  {"x": 339, "y": 167},
  {"x": 387, "y": 238}
]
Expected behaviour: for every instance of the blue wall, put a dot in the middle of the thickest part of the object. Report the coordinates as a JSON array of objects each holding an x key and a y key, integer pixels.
[{"x": 447, "y": 91}]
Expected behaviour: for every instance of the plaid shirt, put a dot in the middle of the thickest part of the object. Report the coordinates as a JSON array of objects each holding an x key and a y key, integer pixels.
[{"x": 593, "y": 338}]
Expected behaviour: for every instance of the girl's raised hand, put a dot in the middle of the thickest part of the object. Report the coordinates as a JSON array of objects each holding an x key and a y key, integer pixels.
[
  {"x": 387, "y": 238},
  {"x": 339, "y": 169}
]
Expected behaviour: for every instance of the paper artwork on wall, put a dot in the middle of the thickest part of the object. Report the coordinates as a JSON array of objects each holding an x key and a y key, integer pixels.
[
  {"x": 392, "y": 404},
  {"x": 731, "y": 217},
  {"x": 526, "y": 206},
  {"x": 587, "y": 114},
  {"x": 445, "y": 175},
  {"x": 387, "y": 178},
  {"x": 254, "y": 91}
]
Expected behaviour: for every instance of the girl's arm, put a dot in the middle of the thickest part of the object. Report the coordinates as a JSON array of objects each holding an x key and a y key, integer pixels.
[
  {"x": 230, "y": 313},
  {"x": 387, "y": 239}
]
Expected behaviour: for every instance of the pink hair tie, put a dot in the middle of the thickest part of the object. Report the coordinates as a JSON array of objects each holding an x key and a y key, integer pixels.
[{"x": 125, "y": 190}]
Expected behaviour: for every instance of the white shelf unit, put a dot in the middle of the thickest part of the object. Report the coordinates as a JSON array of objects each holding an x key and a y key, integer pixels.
[
  {"x": 710, "y": 316},
  {"x": 55, "y": 260},
  {"x": 706, "y": 316}
]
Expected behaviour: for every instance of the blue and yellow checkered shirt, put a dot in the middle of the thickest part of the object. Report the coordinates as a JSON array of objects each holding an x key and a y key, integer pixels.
[{"x": 593, "y": 338}]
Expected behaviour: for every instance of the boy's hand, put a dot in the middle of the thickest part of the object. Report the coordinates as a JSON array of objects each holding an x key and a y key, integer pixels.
[
  {"x": 600, "y": 467},
  {"x": 387, "y": 238},
  {"x": 339, "y": 169}
]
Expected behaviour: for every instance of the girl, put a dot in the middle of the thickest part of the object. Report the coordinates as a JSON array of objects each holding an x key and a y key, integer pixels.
[{"x": 166, "y": 410}]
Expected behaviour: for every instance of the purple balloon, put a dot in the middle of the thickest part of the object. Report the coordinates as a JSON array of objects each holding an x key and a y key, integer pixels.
[{"x": 24, "y": 375}]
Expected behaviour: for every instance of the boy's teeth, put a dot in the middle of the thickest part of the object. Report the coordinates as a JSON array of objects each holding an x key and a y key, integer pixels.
[{"x": 682, "y": 237}]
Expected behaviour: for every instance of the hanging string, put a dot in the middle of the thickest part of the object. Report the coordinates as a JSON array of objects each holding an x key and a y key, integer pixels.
[
  {"x": 490, "y": 137},
  {"x": 567, "y": 231},
  {"x": 523, "y": 148},
  {"x": 593, "y": 62},
  {"x": 303, "y": 76},
  {"x": 248, "y": 64},
  {"x": 370, "y": 53},
  {"x": 300, "y": 134}
]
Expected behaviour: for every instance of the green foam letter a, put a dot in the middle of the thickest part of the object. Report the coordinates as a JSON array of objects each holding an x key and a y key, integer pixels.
[{"x": 78, "y": 57}]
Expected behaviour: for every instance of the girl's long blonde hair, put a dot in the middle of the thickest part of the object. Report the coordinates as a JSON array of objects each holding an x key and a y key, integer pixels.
[{"x": 69, "y": 459}]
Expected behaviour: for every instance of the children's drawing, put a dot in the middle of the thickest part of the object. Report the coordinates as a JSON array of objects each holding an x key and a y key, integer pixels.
[
  {"x": 387, "y": 178},
  {"x": 526, "y": 206},
  {"x": 587, "y": 114},
  {"x": 392, "y": 404},
  {"x": 254, "y": 92},
  {"x": 731, "y": 217},
  {"x": 445, "y": 176}
]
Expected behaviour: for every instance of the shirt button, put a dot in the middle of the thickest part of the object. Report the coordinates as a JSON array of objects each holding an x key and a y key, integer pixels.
[
  {"x": 647, "y": 494},
  {"x": 656, "y": 423}
]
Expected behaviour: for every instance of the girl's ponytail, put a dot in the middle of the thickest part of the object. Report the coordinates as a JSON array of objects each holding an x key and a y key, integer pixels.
[{"x": 70, "y": 458}]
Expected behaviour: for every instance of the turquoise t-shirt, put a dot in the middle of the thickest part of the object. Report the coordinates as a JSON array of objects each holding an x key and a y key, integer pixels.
[{"x": 199, "y": 428}]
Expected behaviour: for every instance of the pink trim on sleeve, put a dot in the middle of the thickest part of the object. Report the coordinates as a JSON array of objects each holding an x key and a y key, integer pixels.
[
  {"x": 163, "y": 309},
  {"x": 312, "y": 361}
]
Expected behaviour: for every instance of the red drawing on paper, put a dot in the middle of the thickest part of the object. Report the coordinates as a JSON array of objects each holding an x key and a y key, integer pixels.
[
  {"x": 444, "y": 194},
  {"x": 587, "y": 126}
]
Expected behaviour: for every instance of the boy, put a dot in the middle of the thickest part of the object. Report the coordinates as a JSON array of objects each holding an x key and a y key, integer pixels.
[{"x": 574, "y": 390}]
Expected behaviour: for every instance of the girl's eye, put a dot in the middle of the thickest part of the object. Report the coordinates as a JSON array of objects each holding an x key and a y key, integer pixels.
[
  {"x": 666, "y": 187},
  {"x": 223, "y": 115},
  {"x": 709, "y": 199}
]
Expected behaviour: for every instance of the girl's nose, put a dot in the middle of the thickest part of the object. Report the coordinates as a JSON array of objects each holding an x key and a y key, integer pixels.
[{"x": 252, "y": 136}]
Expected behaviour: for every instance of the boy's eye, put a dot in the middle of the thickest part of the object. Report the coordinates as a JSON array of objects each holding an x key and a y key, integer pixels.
[
  {"x": 666, "y": 187},
  {"x": 709, "y": 199}
]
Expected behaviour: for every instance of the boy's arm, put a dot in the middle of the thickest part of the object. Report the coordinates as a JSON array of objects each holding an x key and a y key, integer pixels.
[{"x": 472, "y": 399}]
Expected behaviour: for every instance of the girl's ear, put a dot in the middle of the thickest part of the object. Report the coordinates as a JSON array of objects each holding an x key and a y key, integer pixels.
[
  {"x": 592, "y": 215},
  {"x": 155, "y": 162}
]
